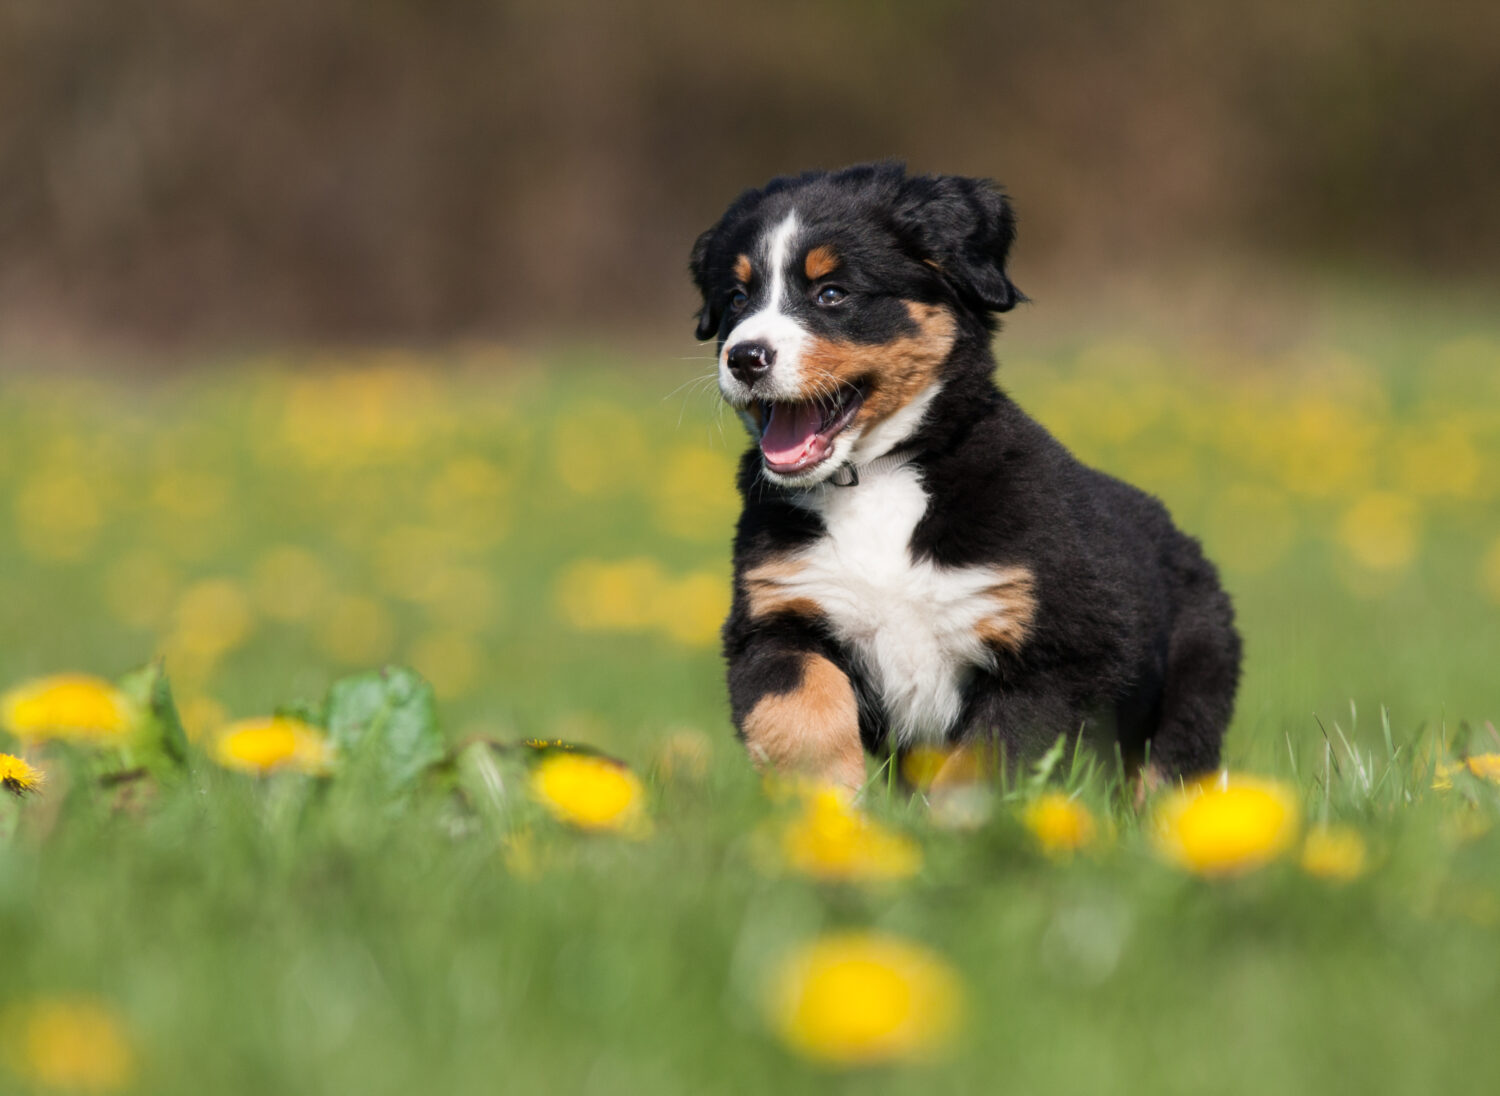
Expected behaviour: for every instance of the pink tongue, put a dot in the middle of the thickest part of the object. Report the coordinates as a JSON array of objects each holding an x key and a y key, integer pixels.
[{"x": 792, "y": 434}]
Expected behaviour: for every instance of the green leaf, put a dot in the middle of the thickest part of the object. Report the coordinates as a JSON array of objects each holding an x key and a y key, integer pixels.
[
  {"x": 385, "y": 722},
  {"x": 161, "y": 737}
]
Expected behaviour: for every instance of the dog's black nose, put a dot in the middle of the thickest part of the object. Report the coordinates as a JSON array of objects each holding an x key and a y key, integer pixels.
[{"x": 749, "y": 361}]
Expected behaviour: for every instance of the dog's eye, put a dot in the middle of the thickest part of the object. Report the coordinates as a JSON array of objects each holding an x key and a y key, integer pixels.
[
  {"x": 738, "y": 300},
  {"x": 830, "y": 295}
]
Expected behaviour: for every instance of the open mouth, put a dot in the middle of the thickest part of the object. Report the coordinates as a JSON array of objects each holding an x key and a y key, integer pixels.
[{"x": 799, "y": 436}]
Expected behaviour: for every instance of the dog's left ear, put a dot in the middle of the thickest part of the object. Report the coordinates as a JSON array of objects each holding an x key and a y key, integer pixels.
[
  {"x": 965, "y": 228},
  {"x": 709, "y": 315}
]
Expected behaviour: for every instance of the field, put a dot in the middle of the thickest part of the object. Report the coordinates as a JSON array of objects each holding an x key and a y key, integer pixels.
[{"x": 544, "y": 538}]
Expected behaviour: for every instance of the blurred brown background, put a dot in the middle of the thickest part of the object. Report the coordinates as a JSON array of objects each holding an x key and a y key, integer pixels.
[{"x": 418, "y": 169}]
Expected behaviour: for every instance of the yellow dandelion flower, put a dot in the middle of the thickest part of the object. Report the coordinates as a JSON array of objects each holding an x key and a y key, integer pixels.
[
  {"x": 1226, "y": 825},
  {"x": 19, "y": 778},
  {"x": 269, "y": 743},
  {"x": 73, "y": 1044},
  {"x": 832, "y": 839},
  {"x": 1485, "y": 766},
  {"x": 1060, "y": 824},
  {"x": 921, "y": 764},
  {"x": 591, "y": 793},
  {"x": 859, "y": 998},
  {"x": 1334, "y": 852},
  {"x": 70, "y": 706}
]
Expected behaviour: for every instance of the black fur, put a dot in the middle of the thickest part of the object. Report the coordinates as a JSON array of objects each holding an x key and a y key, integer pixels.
[{"x": 1133, "y": 634}]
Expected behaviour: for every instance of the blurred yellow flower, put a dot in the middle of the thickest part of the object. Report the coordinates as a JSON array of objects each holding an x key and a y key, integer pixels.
[
  {"x": 693, "y": 608},
  {"x": 410, "y": 560},
  {"x": 1381, "y": 531},
  {"x": 469, "y": 496},
  {"x": 69, "y": 706},
  {"x": 58, "y": 515},
  {"x": 862, "y": 998},
  {"x": 212, "y": 617},
  {"x": 1489, "y": 572},
  {"x": 290, "y": 583},
  {"x": 374, "y": 411},
  {"x": 198, "y": 713},
  {"x": 449, "y": 660},
  {"x": 1485, "y": 766},
  {"x": 464, "y": 598},
  {"x": 636, "y": 595},
  {"x": 1441, "y": 461},
  {"x": 694, "y": 493},
  {"x": 598, "y": 448},
  {"x": 19, "y": 778},
  {"x": 267, "y": 744},
  {"x": 139, "y": 589},
  {"x": 831, "y": 839},
  {"x": 599, "y": 596},
  {"x": 357, "y": 631},
  {"x": 1226, "y": 825},
  {"x": 75, "y": 1044},
  {"x": 684, "y": 755},
  {"x": 921, "y": 764},
  {"x": 1060, "y": 824},
  {"x": 591, "y": 793},
  {"x": 1334, "y": 852}
]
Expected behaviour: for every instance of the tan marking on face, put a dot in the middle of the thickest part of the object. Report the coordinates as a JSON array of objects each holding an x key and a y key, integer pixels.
[
  {"x": 766, "y": 589},
  {"x": 812, "y": 729},
  {"x": 1013, "y": 596},
  {"x": 820, "y": 262},
  {"x": 743, "y": 269},
  {"x": 895, "y": 371}
]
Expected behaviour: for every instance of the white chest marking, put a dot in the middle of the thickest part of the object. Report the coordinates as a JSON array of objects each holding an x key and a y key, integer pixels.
[{"x": 917, "y": 630}]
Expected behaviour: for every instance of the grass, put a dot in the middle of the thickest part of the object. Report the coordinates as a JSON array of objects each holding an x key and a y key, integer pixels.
[{"x": 548, "y": 547}]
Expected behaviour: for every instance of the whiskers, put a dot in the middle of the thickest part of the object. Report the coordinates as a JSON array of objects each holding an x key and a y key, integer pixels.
[{"x": 705, "y": 384}]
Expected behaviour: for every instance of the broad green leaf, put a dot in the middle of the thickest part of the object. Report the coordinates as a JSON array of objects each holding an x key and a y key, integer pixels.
[
  {"x": 161, "y": 737},
  {"x": 385, "y": 722}
]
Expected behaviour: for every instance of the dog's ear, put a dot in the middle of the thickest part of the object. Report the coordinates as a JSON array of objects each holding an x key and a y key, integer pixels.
[
  {"x": 711, "y": 312},
  {"x": 963, "y": 227}
]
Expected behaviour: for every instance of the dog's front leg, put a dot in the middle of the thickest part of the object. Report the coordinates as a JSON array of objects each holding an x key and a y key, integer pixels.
[{"x": 797, "y": 713}]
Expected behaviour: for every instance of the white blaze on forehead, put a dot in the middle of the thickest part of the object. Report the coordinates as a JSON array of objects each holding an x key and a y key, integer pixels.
[{"x": 772, "y": 326}]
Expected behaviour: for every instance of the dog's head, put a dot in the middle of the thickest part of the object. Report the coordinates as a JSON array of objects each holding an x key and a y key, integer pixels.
[{"x": 837, "y": 300}]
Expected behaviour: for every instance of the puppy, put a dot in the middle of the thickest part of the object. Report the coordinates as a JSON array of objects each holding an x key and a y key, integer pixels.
[{"x": 918, "y": 562}]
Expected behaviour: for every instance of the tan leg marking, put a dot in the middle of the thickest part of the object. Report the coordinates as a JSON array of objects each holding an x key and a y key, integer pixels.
[
  {"x": 1014, "y": 598},
  {"x": 812, "y": 729},
  {"x": 766, "y": 588},
  {"x": 895, "y": 371},
  {"x": 820, "y": 262},
  {"x": 1148, "y": 781},
  {"x": 743, "y": 269}
]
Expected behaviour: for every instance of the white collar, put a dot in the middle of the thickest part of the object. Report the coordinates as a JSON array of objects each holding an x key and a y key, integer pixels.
[{"x": 850, "y": 474}]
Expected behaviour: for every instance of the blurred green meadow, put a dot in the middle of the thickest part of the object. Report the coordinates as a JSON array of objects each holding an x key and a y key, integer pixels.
[{"x": 544, "y": 537}]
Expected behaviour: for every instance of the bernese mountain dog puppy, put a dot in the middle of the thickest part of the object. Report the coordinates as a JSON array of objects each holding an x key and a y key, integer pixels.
[{"x": 918, "y": 562}]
